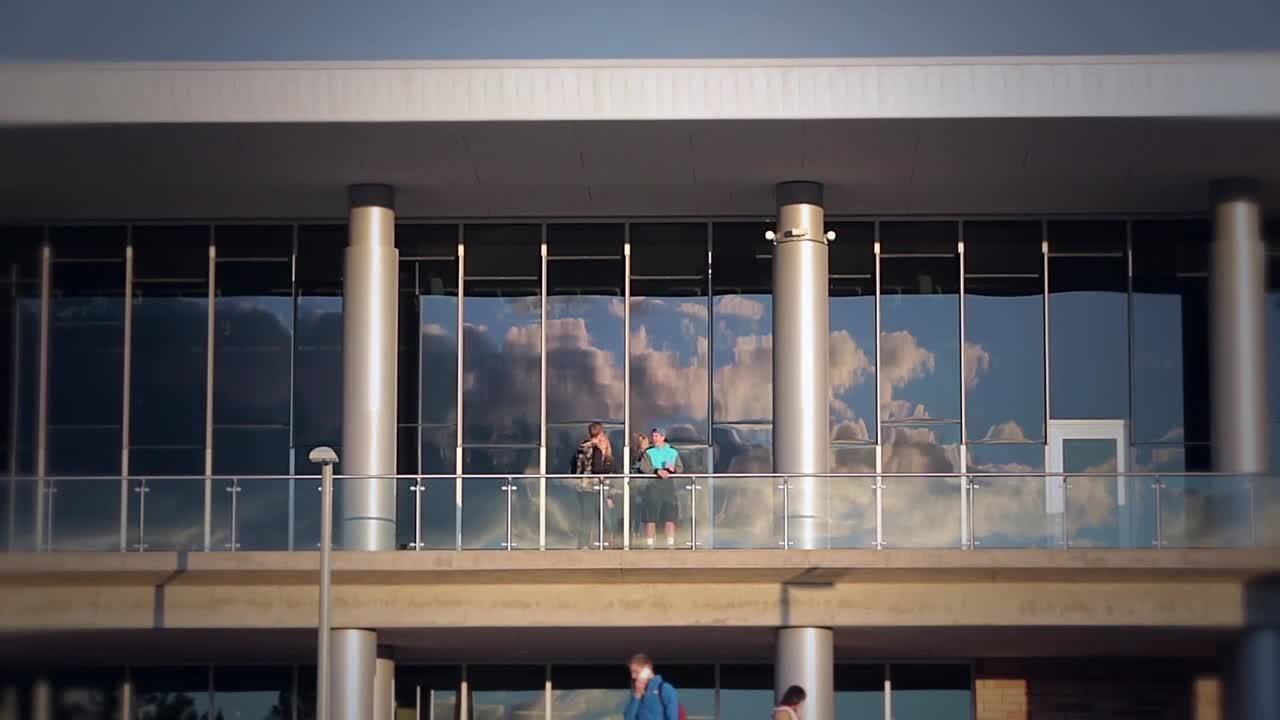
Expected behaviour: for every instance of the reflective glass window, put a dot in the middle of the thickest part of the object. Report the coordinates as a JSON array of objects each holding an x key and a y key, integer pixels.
[
  {"x": 1010, "y": 510},
  {"x": 318, "y": 337},
  {"x": 585, "y": 353},
  {"x": 744, "y": 689},
  {"x": 931, "y": 692},
  {"x": 252, "y": 693},
  {"x": 1088, "y": 320},
  {"x": 920, "y": 322},
  {"x": 507, "y": 692},
  {"x": 588, "y": 692},
  {"x": 252, "y": 355},
  {"x": 669, "y": 330},
  {"x": 86, "y": 694},
  {"x": 697, "y": 687},
  {"x": 1170, "y": 331},
  {"x": 169, "y": 344},
  {"x": 502, "y": 344},
  {"x": 86, "y": 380},
  {"x": 859, "y": 692},
  {"x": 428, "y": 381},
  {"x": 922, "y": 511},
  {"x": 1004, "y": 327},
  {"x": 852, "y": 308},
  {"x": 1273, "y": 355},
  {"x": 171, "y": 693},
  {"x": 427, "y": 692}
]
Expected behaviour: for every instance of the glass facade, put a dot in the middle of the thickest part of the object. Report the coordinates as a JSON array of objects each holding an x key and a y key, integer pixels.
[
  {"x": 186, "y": 361},
  {"x": 707, "y": 691}
]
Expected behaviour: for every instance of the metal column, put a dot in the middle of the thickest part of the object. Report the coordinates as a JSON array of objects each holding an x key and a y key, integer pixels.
[
  {"x": 801, "y": 384},
  {"x": 1238, "y": 311},
  {"x": 384, "y": 687},
  {"x": 805, "y": 658},
  {"x": 801, "y": 404},
  {"x": 352, "y": 671},
  {"x": 41, "y": 698},
  {"x": 367, "y": 504},
  {"x": 1251, "y": 691},
  {"x": 370, "y": 285}
]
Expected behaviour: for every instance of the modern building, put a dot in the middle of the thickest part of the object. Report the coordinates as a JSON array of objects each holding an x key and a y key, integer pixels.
[{"x": 967, "y": 339}]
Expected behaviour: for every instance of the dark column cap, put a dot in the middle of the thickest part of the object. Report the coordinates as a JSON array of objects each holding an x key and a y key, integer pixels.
[
  {"x": 797, "y": 192},
  {"x": 1238, "y": 188},
  {"x": 372, "y": 195}
]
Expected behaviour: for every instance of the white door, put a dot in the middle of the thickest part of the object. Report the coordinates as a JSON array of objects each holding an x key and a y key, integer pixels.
[{"x": 1083, "y": 509}]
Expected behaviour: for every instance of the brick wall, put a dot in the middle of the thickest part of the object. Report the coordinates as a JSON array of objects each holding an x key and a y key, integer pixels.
[{"x": 1095, "y": 689}]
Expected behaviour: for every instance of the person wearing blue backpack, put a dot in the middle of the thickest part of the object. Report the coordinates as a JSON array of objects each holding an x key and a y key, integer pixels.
[{"x": 652, "y": 698}]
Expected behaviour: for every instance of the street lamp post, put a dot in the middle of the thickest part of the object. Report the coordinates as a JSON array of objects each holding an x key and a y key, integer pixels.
[{"x": 326, "y": 458}]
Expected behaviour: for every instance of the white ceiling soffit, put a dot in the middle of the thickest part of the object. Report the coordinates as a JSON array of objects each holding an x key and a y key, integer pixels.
[{"x": 1245, "y": 85}]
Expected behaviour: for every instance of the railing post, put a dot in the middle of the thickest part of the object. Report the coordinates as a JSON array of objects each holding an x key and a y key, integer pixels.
[
  {"x": 1158, "y": 485},
  {"x": 1066, "y": 533},
  {"x": 509, "y": 488},
  {"x": 967, "y": 482},
  {"x": 877, "y": 484},
  {"x": 601, "y": 484},
  {"x": 142, "y": 491},
  {"x": 693, "y": 512},
  {"x": 786, "y": 512},
  {"x": 234, "y": 489}
]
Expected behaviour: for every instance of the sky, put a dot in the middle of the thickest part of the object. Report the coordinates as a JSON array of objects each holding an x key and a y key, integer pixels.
[{"x": 172, "y": 30}]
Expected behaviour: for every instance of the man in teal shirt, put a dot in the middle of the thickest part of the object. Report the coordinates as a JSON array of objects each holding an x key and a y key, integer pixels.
[{"x": 659, "y": 501}]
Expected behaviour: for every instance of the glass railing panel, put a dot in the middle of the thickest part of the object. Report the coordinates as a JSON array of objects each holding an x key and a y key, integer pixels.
[
  {"x": 852, "y": 506},
  {"x": 575, "y": 506},
  {"x": 438, "y": 498},
  {"x": 1016, "y": 511},
  {"x": 17, "y": 514},
  {"x": 744, "y": 512},
  {"x": 251, "y": 514},
  {"x": 484, "y": 513},
  {"x": 167, "y": 513},
  {"x": 669, "y": 511},
  {"x": 83, "y": 514},
  {"x": 1108, "y": 511},
  {"x": 1204, "y": 511},
  {"x": 922, "y": 511}
]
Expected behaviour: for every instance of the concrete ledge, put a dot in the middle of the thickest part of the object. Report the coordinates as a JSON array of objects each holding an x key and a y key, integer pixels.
[
  {"x": 703, "y": 567},
  {"x": 1212, "y": 85}
]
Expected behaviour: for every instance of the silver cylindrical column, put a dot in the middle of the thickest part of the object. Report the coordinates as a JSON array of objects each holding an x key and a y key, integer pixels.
[
  {"x": 352, "y": 666},
  {"x": 1238, "y": 346},
  {"x": 384, "y": 687},
  {"x": 1251, "y": 690},
  {"x": 805, "y": 658},
  {"x": 370, "y": 285},
  {"x": 801, "y": 405},
  {"x": 801, "y": 386},
  {"x": 41, "y": 698}
]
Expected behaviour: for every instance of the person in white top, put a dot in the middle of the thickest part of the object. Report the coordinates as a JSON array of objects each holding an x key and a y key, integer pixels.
[{"x": 789, "y": 704}]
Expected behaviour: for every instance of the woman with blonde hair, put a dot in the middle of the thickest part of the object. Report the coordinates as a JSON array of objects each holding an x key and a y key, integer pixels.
[{"x": 594, "y": 460}]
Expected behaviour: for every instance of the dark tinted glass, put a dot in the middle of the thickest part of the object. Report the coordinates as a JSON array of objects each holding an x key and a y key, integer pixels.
[
  {"x": 181, "y": 693},
  {"x": 1004, "y": 327},
  {"x": 170, "y": 334},
  {"x": 253, "y": 693},
  {"x": 1170, "y": 331},
  {"x": 507, "y": 692},
  {"x": 932, "y": 692},
  {"x": 418, "y": 241},
  {"x": 86, "y": 694},
  {"x": 583, "y": 691},
  {"x": 669, "y": 329},
  {"x": 1088, "y": 320},
  {"x": 859, "y": 691},
  {"x": 852, "y": 311},
  {"x": 744, "y": 689},
  {"x": 86, "y": 380},
  {"x": 318, "y": 337}
]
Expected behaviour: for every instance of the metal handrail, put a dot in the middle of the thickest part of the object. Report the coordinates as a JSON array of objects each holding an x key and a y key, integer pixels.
[{"x": 965, "y": 485}]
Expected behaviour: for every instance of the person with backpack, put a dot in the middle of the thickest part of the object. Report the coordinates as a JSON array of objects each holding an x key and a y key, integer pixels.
[
  {"x": 593, "y": 460},
  {"x": 652, "y": 698},
  {"x": 789, "y": 704}
]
